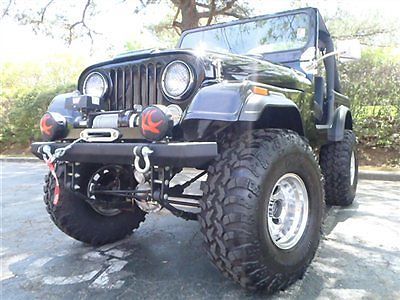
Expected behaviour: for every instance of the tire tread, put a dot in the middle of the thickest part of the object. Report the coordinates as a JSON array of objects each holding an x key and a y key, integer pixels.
[
  {"x": 228, "y": 208},
  {"x": 335, "y": 165},
  {"x": 65, "y": 216}
]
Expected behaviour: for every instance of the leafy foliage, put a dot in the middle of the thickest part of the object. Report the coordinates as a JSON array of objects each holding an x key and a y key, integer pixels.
[
  {"x": 26, "y": 90},
  {"x": 20, "y": 125},
  {"x": 372, "y": 84}
]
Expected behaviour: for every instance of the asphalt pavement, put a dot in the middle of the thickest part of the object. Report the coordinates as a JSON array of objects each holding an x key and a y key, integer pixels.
[{"x": 358, "y": 257}]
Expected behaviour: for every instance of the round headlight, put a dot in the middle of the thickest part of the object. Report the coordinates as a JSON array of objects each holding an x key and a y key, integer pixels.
[
  {"x": 95, "y": 85},
  {"x": 177, "y": 80}
]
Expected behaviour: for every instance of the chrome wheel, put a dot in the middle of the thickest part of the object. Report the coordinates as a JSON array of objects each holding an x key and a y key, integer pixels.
[
  {"x": 352, "y": 168},
  {"x": 287, "y": 213}
]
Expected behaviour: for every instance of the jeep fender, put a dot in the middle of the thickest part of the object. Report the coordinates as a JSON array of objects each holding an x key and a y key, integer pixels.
[
  {"x": 342, "y": 120},
  {"x": 217, "y": 106}
]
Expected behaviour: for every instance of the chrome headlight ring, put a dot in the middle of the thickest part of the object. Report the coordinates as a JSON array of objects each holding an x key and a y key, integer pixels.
[
  {"x": 95, "y": 85},
  {"x": 177, "y": 83}
]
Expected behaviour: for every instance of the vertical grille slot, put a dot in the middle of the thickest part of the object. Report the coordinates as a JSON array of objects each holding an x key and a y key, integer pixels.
[
  {"x": 129, "y": 87},
  {"x": 152, "y": 84},
  {"x": 136, "y": 85},
  {"x": 123, "y": 86},
  {"x": 143, "y": 86},
  {"x": 158, "y": 80},
  {"x": 115, "y": 106}
]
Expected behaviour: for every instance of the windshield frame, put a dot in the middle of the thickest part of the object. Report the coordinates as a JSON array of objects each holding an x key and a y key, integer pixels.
[{"x": 310, "y": 42}]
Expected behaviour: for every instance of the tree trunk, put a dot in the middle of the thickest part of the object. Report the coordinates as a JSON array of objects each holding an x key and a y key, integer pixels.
[{"x": 189, "y": 13}]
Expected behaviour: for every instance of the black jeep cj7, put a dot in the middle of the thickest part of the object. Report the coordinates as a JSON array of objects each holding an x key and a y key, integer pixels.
[{"x": 254, "y": 105}]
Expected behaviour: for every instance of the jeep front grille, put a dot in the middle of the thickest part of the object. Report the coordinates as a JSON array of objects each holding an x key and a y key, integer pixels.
[{"x": 135, "y": 84}]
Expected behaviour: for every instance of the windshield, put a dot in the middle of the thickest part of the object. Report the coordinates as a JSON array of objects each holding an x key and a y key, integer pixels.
[{"x": 288, "y": 32}]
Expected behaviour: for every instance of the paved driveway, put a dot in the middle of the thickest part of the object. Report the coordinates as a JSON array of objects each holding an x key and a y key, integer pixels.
[{"x": 359, "y": 256}]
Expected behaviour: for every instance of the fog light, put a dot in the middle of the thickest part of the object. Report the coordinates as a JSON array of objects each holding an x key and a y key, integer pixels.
[
  {"x": 53, "y": 126},
  {"x": 155, "y": 123}
]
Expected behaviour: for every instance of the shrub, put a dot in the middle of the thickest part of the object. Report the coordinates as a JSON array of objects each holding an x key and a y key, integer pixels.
[
  {"x": 26, "y": 89},
  {"x": 372, "y": 84},
  {"x": 20, "y": 121}
]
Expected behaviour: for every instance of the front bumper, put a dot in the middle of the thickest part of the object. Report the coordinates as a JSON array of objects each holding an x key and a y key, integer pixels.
[{"x": 184, "y": 154}]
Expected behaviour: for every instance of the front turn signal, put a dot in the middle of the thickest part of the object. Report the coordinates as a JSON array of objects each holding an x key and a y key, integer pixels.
[{"x": 260, "y": 91}]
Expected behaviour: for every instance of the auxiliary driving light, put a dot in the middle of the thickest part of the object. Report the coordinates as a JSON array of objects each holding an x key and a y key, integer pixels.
[
  {"x": 53, "y": 126},
  {"x": 155, "y": 122}
]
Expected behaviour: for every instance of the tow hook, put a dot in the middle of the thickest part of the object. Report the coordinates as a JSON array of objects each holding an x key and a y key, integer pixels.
[{"x": 142, "y": 152}]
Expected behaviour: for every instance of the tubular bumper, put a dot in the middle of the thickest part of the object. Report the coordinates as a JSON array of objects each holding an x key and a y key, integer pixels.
[{"x": 184, "y": 154}]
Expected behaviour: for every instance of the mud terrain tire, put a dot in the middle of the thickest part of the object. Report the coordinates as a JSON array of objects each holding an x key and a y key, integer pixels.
[
  {"x": 335, "y": 160},
  {"x": 235, "y": 205},
  {"x": 75, "y": 217}
]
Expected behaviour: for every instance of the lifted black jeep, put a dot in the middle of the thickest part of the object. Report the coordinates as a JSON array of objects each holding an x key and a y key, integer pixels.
[{"x": 241, "y": 102}]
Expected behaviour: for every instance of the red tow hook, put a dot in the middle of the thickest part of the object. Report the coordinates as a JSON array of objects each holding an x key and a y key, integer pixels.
[
  {"x": 49, "y": 160},
  {"x": 52, "y": 168}
]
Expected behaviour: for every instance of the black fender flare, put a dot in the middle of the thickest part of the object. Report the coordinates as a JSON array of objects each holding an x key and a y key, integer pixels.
[
  {"x": 342, "y": 120},
  {"x": 217, "y": 106}
]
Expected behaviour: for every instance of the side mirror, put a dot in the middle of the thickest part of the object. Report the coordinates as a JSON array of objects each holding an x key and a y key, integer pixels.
[{"x": 348, "y": 50}]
